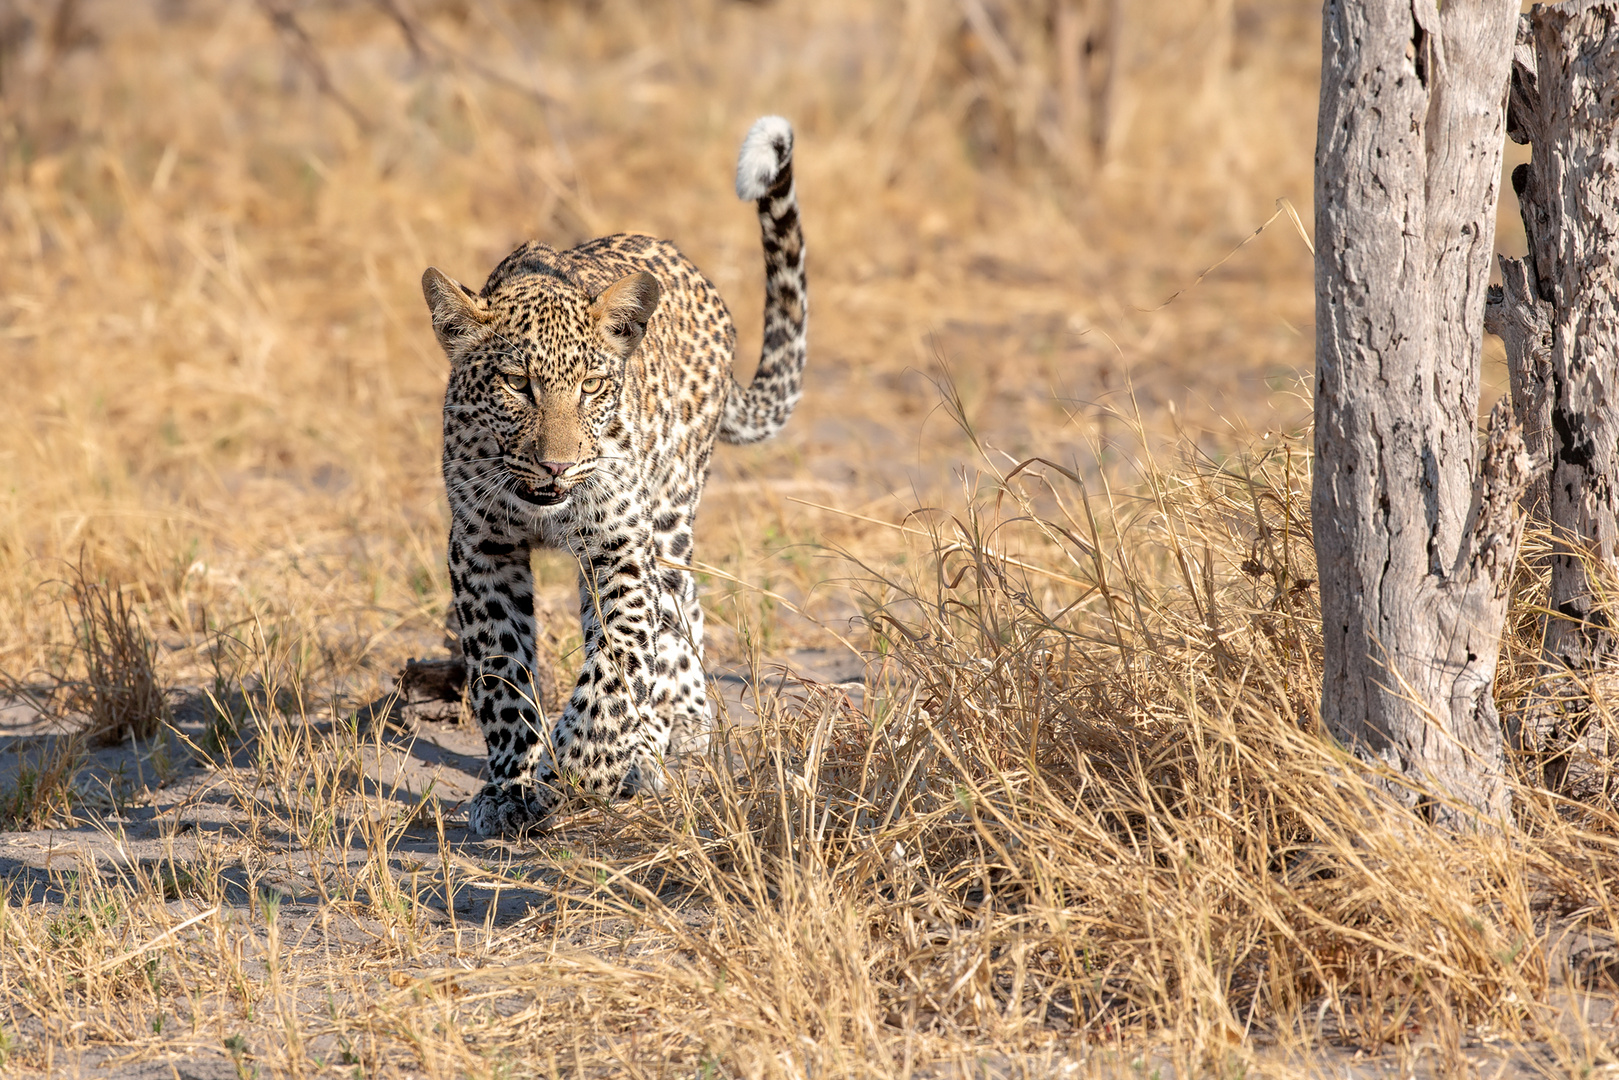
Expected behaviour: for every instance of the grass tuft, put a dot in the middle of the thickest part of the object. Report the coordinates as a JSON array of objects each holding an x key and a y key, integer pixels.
[{"x": 119, "y": 693}]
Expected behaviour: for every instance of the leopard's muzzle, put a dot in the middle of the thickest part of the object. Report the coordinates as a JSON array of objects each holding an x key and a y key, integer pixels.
[{"x": 555, "y": 482}]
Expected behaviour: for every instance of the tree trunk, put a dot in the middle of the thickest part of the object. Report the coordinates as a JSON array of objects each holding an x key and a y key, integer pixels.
[
  {"x": 1415, "y": 534},
  {"x": 1559, "y": 319}
]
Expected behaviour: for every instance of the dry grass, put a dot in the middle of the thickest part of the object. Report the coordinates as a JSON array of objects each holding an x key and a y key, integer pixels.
[
  {"x": 121, "y": 696},
  {"x": 1079, "y": 821}
]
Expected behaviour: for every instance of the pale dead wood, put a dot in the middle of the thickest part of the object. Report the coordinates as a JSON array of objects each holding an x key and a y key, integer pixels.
[
  {"x": 1523, "y": 323},
  {"x": 1577, "y": 59},
  {"x": 1558, "y": 315},
  {"x": 1412, "y": 543}
]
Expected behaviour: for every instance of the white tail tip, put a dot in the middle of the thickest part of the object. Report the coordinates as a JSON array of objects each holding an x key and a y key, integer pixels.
[{"x": 765, "y": 152}]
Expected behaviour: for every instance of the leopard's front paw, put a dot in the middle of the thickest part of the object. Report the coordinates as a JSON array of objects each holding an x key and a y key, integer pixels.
[{"x": 513, "y": 809}]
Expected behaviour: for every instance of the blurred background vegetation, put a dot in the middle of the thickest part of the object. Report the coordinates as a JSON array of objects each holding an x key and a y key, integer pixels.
[{"x": 221, "y": 383}]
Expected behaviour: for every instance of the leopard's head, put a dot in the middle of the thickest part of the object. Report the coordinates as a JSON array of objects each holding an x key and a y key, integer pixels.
[{"x": 536, "y": 369}]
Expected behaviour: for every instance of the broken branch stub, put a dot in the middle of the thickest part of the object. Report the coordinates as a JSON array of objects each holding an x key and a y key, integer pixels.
[{"x": 1523, "y": 322}]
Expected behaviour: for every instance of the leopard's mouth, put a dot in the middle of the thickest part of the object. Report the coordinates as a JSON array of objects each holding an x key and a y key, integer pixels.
[{"x": 538, "y": 496}]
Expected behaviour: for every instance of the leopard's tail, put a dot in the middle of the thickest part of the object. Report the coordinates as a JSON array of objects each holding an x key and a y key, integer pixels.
[{"x": 764, "y": 173}]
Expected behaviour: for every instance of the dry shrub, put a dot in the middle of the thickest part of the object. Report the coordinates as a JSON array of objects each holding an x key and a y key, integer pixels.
[
  {"x": 103, "y": 679},
  {"x": 1038, "y": 78}
]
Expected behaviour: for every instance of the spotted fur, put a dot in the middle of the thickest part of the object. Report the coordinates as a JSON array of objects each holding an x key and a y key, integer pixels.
[{"x": 587, "y": 388}]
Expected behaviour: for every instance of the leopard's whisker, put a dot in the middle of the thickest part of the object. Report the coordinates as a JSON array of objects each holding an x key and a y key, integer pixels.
[{"x": 477, "y": 482}]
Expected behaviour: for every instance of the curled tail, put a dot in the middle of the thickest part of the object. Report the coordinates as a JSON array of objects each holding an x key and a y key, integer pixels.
[{"x": 764, "y": 173}]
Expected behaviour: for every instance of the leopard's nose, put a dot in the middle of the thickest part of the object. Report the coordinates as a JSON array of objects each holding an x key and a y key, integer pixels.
[{"x": 557, "y": 468}]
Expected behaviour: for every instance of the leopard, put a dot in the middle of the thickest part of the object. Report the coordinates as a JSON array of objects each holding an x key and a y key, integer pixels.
[{"x": 587, "y": 389}]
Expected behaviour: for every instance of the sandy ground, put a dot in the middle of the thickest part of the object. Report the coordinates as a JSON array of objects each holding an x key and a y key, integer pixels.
[
  {"x": 479, "y": 899},
  {"x": 147, "y": 820}
]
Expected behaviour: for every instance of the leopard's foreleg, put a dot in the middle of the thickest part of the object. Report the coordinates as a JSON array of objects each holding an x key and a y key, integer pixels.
[
  {"x": 611, "y": 734},
  {"x": 493, "y": 588}
]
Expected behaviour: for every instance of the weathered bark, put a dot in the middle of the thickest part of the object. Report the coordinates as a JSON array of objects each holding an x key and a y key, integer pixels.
[
  {"x": 1516, "y": 314},
  {"x": 1415, "y": 536},
  {"x": 1576, "y": 172},
  {"x": 1559, "y": 319}
]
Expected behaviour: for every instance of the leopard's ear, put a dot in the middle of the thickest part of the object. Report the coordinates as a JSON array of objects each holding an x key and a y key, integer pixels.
[
  {"x": 623, "y": 308},
  {"x": 456, "y": 309}
]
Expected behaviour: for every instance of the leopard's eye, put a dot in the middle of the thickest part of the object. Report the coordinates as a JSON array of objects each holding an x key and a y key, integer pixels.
[
  {"x": 516, "y": 382},
  {"x": 592, "y": 385}
]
